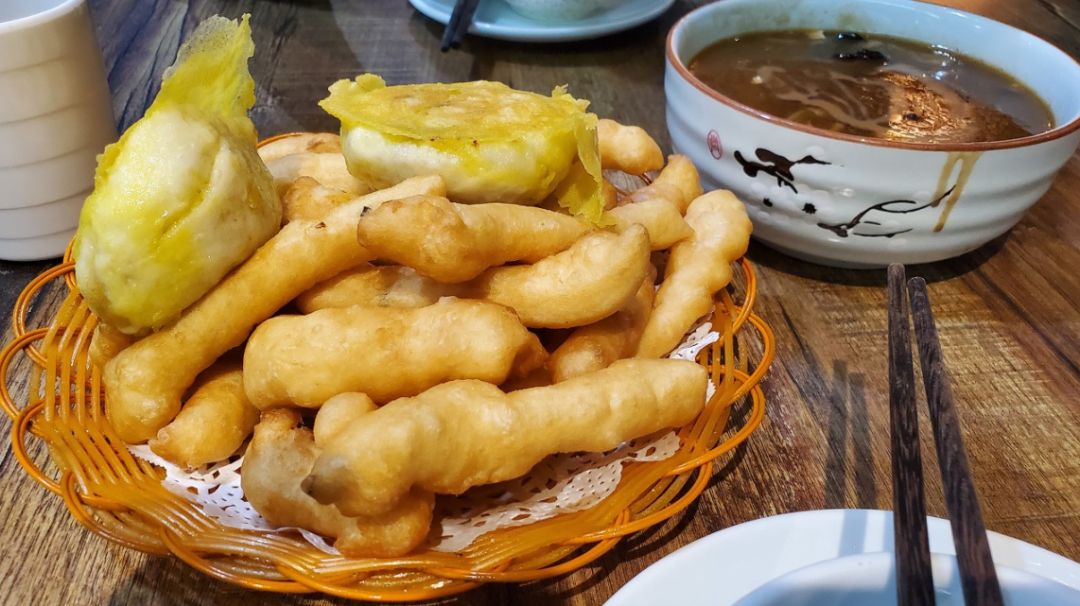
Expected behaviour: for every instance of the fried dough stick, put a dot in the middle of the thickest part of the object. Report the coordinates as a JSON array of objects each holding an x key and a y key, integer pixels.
[
  {"x": 145, "y": 381},
  {"x": 456, "y": 242},
  {"x": 307, "y": 199},
  {"x": 589, "y": 281},
  {"x": 627, "y": 148},
  {"x": 339, "y": 412},
  {"x": 467, "y": 433},
  {"x": 213, "y": 423},
  {"x": 384, "y": 352},
  {"x": 659, "y": 216},
  {"x": 381, "y": 286},
  {"x": 299, "y": 143},
  {"x": 106, "y": 343},
  {"x": 679, "y": 183},
  {"x": 281, "y": 455},
  {"x": 570, "y": 288},
  {"x": 696, "y": 270},
  {"x": 597, "y": 346},
  {"x": 328, "y": 169},
  {"x": 400, "y": 286}
]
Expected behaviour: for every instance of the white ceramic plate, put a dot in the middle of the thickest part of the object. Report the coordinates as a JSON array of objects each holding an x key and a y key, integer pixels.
[
  {"x": 495, "y": 19},
  {"x": 732, "y": 564},
  {"x": 869, "y": 579}
]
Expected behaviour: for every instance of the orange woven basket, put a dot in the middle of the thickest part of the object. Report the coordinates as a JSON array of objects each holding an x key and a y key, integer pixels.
[{"x": 121, "y": 498}]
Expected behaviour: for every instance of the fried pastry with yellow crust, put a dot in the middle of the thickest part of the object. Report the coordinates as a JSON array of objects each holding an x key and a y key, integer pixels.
[
  {"x": 490, "y": 143},
  {"x": 182, "y": 198},
  {"x": 467, "y": 433}
]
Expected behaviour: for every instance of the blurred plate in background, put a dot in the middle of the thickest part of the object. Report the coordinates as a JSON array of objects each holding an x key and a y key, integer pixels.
[{"x": 495, "y": 19}]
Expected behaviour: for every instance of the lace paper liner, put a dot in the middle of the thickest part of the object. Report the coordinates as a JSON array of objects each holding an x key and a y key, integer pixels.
[
  {"x": 217, "y": 490},
  {"x": 561, "y": 483}
]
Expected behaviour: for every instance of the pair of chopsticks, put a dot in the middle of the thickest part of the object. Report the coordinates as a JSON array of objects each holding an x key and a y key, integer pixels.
[
  {"x": 459, "y": 23},
  {"x": 914, "y": 578}
]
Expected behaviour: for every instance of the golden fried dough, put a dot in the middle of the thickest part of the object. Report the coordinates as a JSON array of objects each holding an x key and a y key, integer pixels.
[
  {"x": 214, "y": 422},
  {"x": 106, "y": 342},
  {"x": 299, "y": 143},
  {"x": 308, "y": 199},
  {"x": 456, "y": 242},
  {"x": 627, "y": 148},
  {"x": 339, "y": 412},
  {"x": 281, "y": 454},
  {"x": 678, "y": 183},
  {"x": 384, "y": 352},
  {"x": 144, "y": 382},
  {"x": 611, "y": 195},
  {"x": 537, "y": 378},
  {"x": 381, "y": 286},
  {"x": 597, "y": 346},
  {"x": 589, "y": 281},
  {"x": 659, "y": 216},
  {"x": 467, "y": 433},
  {"x": 696, "y": 270},
  {"x": 328, "y": 169}
]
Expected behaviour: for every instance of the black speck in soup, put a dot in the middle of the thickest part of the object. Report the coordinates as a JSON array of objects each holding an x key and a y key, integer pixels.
[
  {"x": 853, "y": 36},
  {"x": 871, "y": 85}
]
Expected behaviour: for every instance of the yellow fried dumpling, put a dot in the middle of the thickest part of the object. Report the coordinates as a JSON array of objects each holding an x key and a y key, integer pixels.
[
  {"x": 182, "y": 197},
  {"x": 489, "y": 142}
]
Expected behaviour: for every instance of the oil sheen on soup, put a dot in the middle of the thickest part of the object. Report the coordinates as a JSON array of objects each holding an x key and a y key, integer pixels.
[{"x": 872, "y": 86}]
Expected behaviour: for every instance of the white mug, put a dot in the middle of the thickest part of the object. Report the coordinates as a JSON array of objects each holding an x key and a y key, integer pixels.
[{"x": 55, "y": 118}]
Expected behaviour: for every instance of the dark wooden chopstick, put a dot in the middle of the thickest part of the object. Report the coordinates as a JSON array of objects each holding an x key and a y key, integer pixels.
[
  {"x": 977, "y": 574},
  {"x": 914, "y": 576},
  {"x": 459, "y": 23}
]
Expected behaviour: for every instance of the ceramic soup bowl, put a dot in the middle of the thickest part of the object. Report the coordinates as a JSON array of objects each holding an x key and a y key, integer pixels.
[{"x": 852, "y": 201}]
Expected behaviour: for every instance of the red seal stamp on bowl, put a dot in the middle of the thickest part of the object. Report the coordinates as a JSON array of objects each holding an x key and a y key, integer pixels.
[{"x": 713, "y": 141}]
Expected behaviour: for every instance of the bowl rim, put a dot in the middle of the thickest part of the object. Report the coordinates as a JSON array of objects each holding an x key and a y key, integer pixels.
[
  {"x": 1054, "y": 133},
  {"x": 40, "y": 17}
]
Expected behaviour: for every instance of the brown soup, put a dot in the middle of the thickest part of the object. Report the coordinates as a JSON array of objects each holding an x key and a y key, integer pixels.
[{"x": 872, "y": 86}]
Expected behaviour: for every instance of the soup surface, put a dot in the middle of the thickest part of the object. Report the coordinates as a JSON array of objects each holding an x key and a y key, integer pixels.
[{"x": 872, "y": 86}]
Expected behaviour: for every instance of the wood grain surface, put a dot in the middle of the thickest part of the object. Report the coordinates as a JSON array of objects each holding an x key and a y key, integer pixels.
[{"x": 1007, "y": 314}]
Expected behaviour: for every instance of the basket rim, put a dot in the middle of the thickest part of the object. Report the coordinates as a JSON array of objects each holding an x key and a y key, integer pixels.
[{"x": 85, "y": 507}]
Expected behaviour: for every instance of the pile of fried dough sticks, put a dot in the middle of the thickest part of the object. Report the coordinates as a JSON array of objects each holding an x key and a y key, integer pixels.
[{"x": 443, "y": 345}]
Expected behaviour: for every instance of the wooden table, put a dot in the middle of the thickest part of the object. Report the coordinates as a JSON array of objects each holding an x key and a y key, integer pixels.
[{"x": 1007, "y": 312}]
